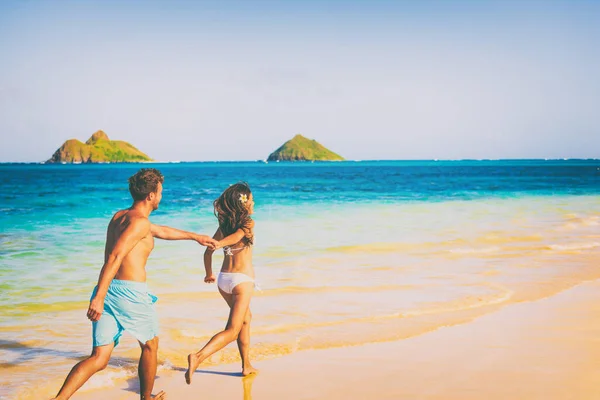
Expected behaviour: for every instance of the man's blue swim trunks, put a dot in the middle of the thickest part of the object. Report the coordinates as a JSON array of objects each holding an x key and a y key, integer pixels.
[{"x": 128, "y": 306}]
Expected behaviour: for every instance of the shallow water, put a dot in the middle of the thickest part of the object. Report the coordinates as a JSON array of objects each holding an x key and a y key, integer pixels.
[{"x": 346, "y": 253}]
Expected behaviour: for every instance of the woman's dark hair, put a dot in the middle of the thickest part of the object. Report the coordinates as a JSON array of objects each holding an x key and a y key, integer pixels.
[{"x": 232, "y": 212}]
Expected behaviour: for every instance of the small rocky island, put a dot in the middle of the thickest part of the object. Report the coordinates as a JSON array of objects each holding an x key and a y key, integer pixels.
[
  {"x": 98, "y": 149},
  {"x": 300, "y": 148}
]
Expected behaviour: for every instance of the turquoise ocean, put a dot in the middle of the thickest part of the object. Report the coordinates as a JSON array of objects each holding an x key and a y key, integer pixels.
[{"x": 346, "y": 253}]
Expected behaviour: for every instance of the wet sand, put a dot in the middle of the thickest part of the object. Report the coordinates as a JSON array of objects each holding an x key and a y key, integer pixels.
[{"x": 547, "y": 349}]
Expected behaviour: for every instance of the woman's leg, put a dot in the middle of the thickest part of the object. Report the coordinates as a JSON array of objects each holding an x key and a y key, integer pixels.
[
  {"x": 243, "y": 340},
  {"x": 241, "y": 296}
]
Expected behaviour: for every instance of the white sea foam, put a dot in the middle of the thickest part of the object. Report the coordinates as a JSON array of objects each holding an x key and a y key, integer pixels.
[
  {"x": 574, "y": 246},
  {"x": 114, "y": 375},
  {"x": 108, "y": 378}
]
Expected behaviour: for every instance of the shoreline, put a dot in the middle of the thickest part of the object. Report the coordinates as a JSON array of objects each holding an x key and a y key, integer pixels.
[{"x": 543, "y": 349}]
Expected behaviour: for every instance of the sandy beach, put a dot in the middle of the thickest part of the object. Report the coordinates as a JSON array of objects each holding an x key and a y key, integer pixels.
[
  {"x": 546, "y": 349},
  {"x": 453, "y": 299}
]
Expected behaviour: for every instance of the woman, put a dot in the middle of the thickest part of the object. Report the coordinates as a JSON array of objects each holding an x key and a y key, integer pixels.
[{"x": 236, "y": 280}]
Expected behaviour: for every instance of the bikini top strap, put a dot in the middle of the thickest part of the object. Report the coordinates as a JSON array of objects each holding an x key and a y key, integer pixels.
[{"x": 229, "y": 250}]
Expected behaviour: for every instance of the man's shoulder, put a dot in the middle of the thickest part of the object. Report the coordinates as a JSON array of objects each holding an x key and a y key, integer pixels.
[
  {"x": 119, "y": 214},
  {"x": 136, "y": 217},
  {"x": 128, "y": 217}
]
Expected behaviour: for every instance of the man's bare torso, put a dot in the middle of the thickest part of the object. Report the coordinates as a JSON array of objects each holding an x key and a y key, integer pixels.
[{"x": 133, "y": 266}]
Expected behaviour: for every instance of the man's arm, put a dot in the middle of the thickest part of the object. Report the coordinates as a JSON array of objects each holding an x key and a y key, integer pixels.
[
  {"x": 108, "y": 243},
  {"x": 137, "y": 229},
  {"x": 168, "y": 233}
]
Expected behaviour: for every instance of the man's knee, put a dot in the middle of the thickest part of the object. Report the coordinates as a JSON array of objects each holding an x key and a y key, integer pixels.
[
  {"x": 151, "y": 345},
  {"x": 100, "y": 360},
  {"x": 102, "y": 363}
]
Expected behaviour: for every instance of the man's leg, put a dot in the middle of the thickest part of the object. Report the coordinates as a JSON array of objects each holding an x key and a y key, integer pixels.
[
  {"x": 84, "y": 370},
  {"x": 147, "y": 369}
]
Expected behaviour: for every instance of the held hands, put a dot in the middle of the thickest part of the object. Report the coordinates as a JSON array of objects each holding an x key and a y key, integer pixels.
[
  {"x": 96, "y": 308},
  {"x": 207, "y": 241},
  {"x": 209, "y": 278}
]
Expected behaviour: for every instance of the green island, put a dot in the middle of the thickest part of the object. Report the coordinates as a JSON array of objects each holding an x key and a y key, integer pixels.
[
  {"x": 98, "y": 149},
  {"x": 300, "y": 148}
]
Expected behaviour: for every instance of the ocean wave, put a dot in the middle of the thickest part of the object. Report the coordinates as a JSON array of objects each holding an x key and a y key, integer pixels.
[
  {"x": 507, "y": 239},
  {"x": 375, "y": 248},
  {"x": 334, "y": 289},
  {"x": 109, "y": 378},
  {"x": 470, "y": 250},
  {"x": 574, "y": 246},
  {"x": 14, "y": 210},
  {"x": 277, "y": 340},
  {"x": 113, "y": 375},
  {"x": 457, "y": 246},
  {"x": 499, "y": 294},
  {"x": 577, "y": 222}
]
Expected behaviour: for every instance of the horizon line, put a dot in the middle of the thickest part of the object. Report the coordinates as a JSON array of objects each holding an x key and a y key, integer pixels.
[{"x": 264, "y": 161}]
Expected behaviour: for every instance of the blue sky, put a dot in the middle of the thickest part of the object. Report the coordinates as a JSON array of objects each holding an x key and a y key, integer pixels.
[{"x": 224, "y": 80}]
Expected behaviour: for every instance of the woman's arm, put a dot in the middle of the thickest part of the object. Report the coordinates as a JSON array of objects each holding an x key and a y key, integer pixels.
[
  {"x": 234, "y": 238},
  {"x": 238, "y": 235},
  {"x": 210, "y": 277}
]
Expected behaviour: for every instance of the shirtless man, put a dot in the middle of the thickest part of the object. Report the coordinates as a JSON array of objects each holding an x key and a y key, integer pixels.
[{"x": 121, "y": 300}]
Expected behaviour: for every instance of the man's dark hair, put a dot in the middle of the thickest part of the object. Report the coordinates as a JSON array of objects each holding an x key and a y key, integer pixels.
[{"x": 144, "y": 182}]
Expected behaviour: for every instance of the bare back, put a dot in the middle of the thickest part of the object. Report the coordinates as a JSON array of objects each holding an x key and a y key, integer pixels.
[
  {"x": 238, "y": 256},
  {"x": 240, "y": 260},
  {"x": 133, "y": 266}
]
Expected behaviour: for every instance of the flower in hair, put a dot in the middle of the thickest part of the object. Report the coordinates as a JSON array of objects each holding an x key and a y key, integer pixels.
[{"x": 243, "y": 198}]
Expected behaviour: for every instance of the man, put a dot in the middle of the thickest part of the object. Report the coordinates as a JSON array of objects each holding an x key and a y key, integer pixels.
[{"x": 121, "y": 301}]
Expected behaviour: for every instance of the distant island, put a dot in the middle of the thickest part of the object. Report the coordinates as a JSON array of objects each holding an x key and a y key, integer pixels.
[
  {"x": 300, "y": 148},
  {"x": 98, "y": 149}
]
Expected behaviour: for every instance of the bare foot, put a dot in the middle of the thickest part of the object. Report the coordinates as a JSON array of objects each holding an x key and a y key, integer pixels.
[
  {"x": 249, "y": 370},
  {"x": 192, "y": 365},
  {"x": 160, "y": 396}
]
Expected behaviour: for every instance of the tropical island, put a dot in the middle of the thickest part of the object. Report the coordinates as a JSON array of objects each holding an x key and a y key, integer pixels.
[
  {"x": 98, "y": 149},
  {"x": 300, "y": 148}
]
